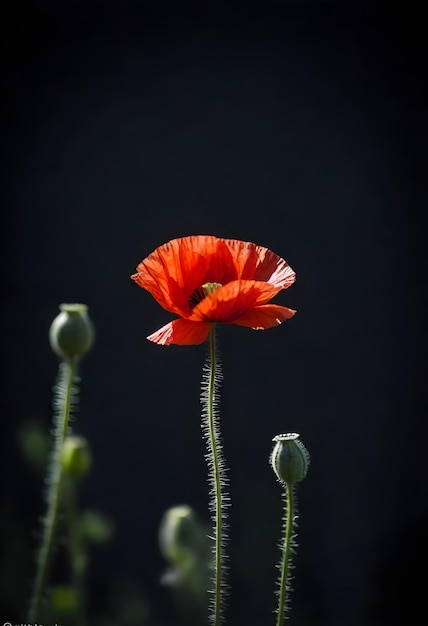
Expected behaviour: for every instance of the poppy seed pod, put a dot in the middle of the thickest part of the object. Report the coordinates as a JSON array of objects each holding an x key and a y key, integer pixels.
[
  {"x": 289, "y": 458},
  {"x": 71, "y": 333}
]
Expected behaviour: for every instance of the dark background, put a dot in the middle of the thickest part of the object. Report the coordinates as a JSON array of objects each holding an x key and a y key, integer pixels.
[{"x": 299, "y": 126}]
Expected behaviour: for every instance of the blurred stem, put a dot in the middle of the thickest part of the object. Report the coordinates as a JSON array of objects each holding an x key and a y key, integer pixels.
[
  {"x": 286, "y": 552},
  {"x": 215, "y": 463},
  {"x": 76, "y": 547},
  {"x": 64, "y": 389}
]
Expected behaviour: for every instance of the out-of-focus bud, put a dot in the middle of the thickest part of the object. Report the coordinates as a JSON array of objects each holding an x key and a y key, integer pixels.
[
  {"x": 181, "y": 535},
  {"x": 96, "y": 527},
  {"x": 72, "y": 333},
  {"x": 184, "y": 543},
  {"x": 289, "y": 458},
  {"x": 76, "y": 457}
]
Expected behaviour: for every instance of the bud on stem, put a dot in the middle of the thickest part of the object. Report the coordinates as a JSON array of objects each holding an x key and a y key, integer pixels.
[
  {"x": 289, "y": 458},
  {"x": 71, "y": 333}
]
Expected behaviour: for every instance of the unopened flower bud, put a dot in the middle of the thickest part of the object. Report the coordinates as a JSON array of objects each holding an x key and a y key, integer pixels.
[
  {"x": 289, "y": 458},
  {"x": 76, "y": 457},
  {"x": 71, "y": 333},
  {"x": 180, "y": 534}
]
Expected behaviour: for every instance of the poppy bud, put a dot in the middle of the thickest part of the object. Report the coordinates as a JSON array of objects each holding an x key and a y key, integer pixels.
[
  {"x": 289, "y": 458},
  {"x": 71, "y": 333},
  {"x": 76, "y": 456},
  {"x": 179, "y": 530}
]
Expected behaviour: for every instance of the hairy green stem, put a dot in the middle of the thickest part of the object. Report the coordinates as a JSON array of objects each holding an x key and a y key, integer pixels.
[
  {"x": 64, "y": 392},
  {"x": 217, "y": 479},
  {"x": 286, "y": 552},
  {"x": 76, "y": 548},
  {"x": 216, "y": 467}
]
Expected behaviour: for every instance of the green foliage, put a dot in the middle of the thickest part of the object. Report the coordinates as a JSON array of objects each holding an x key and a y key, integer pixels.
[{"x": 35, "y": 444}]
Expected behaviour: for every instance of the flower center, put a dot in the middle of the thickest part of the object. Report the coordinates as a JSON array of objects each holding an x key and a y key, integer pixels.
[
  {"x": 209, "y": 288},
  {"x": 200, "y": 292}
]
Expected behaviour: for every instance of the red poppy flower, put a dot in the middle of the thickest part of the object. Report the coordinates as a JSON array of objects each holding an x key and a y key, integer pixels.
[{"x": 204, "y": 279}]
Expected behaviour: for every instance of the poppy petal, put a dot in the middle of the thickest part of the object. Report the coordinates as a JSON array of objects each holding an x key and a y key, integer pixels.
[
  {"x": 265, "y": 316},
  {"x": 174, "y": 270},
  {"x": 254, "y": 262},
  {"x": 231, "y": 301},
  {"x": 181, "y": 332}
]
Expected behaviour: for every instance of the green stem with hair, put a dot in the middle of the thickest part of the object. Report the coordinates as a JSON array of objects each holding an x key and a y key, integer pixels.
[
  {"x": 63, "y": 402},
  {"x": 216, "y": 467},
  {"x": 76, "y": 547},
  {"x": 289, "y": 514}
]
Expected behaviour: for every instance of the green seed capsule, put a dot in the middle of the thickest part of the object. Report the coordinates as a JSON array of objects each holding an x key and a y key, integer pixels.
[
  {"x": 289, "y": 458},
  {"x": 71, "y": 333}
]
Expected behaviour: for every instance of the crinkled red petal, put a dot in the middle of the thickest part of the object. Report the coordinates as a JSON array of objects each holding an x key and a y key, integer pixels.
[
  {"x": 265, "y": 316},
  {"x": 254, "y": 262},
  {"x": 173, "y": 271},
  {"x": 181, "y": 332},
  {"x": 233, "y": 300}
]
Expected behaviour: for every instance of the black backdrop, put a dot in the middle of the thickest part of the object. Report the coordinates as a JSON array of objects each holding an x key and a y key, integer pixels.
[{"x": 297, "y": 125}]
